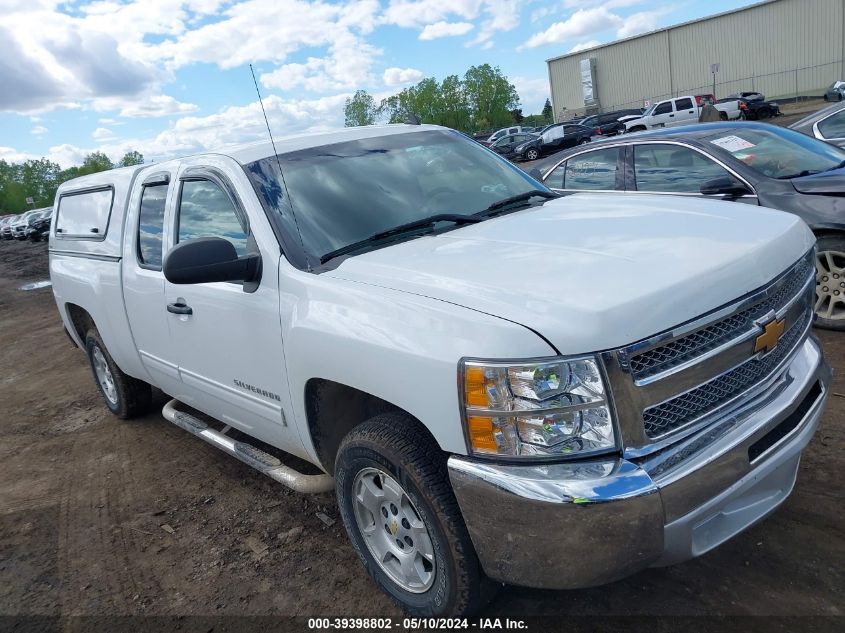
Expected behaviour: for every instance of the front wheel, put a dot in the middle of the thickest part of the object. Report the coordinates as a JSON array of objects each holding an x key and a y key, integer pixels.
[
  {"x": 764, "y": 113},
  {"x": 532, "y": 154},
  {"x": 723, "y": 116},
  {"x": 402, "y": 517},
  {"x": 830, "y": 283},
  {"x": 583, "y": 141}
]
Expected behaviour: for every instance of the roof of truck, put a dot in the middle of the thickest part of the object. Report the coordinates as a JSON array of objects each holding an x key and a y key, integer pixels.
[
  {"x": 102, "y": 178},
  {"x": 255, "y": 151}
]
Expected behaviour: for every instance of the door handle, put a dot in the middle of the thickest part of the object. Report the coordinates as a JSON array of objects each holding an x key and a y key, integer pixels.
[
  {"x": 671, "y": 115},
  {"x": 179, "y": 308}
]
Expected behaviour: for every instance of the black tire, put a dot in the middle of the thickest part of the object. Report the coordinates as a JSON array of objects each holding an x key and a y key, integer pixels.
[
  {"x": 831, "y": 244},
  {"x": 398, "y": 446},
  {"x": 764, "y": 113},
  {"x": 723, "y": 116},
  {"x": 584, "y": 141},
  {"x": 637, "y": 128},
  {"x": 133, "y": 397},
  {"x": 532, "y": 154}
]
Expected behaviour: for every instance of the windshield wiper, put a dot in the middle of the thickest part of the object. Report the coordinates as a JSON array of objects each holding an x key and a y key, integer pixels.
[
  {"x": 410, "y": 227},
  {"x": 521, "y": 197}
]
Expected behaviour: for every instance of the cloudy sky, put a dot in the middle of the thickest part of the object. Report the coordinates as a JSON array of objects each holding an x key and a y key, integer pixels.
[{"x": 171, "y": 77}]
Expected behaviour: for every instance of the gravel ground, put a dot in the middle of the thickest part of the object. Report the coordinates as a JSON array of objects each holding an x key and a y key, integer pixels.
[{"x": 100, "y": 517}]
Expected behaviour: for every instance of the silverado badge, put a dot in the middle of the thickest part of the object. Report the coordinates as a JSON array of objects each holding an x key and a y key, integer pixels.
[{"x": 768, "y": 340}]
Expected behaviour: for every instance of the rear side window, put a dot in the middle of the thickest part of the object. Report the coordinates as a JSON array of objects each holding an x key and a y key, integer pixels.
[
  {"x": 833, "y": 126},
  {"x": 683, "y": 104},
  {"x": 151, "y": 226},
  {"x": 592, "y": 170},
  {"x": 85, "y": 214},
  {"x": 205, "y": 210}
]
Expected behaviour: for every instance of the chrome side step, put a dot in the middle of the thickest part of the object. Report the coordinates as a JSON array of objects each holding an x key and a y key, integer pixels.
[{"x": 248, "y": 454}]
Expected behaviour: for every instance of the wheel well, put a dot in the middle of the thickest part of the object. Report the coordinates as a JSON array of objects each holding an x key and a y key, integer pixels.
[
  {"x": 81, "y": 320},
  {"x": 820, "y": 233},
  {"x": 334, "y": 409}
]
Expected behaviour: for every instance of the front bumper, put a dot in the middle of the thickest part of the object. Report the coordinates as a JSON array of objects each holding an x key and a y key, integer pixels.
[{"x": 581, "y": 524}]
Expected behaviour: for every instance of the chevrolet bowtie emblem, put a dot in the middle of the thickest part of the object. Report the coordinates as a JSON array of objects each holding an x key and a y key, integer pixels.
[{"x": 768, "y": 340}]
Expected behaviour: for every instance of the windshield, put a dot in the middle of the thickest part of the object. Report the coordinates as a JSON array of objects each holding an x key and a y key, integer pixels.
[
  {"x": 346, "y": 192},
  {"x": 649, "y": 109},
  {"x": 778, "y": 152}
]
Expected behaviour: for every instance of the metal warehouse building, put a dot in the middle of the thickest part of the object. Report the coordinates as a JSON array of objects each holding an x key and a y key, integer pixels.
[{"x": 783, "y": 48}]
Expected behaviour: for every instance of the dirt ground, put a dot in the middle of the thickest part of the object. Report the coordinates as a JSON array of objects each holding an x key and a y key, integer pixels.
[{"x": 100, "y": 517}]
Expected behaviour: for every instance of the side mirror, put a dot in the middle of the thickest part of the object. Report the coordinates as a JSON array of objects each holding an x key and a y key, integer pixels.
[
  {"x": 208, "y": 259},
  {"x": 724, "y": 186},
  {"x": 536, "y": 174}
]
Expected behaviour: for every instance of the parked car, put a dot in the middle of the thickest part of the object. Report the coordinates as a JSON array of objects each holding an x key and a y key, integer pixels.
[
  {"x": 675, "y": 112},
  {"x": 6, "y": 231},
  {"x": 760, "y": 109},
  {"x": 451, "y": 373},
  {"x": 39, "y": 225},
  {"x": 507, "y": 144},
  {"x": 752, "y": 163},
  {"x": 553, "y": 139},
  {"x": 21, "y": 224},
  {"x": 608, "y": 123},
  {"x": 748, "y": 96},
  {"x": 827, "y": 124},
  {"x": 495, "y": 136},
  {"x": 701, "y": 100},
  {"x": 835, "y": 92}
]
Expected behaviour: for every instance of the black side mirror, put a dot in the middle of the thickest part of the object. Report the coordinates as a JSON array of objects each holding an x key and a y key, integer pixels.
[
  {"x": 208, "y": 259},
  {"x": 724, "y": 186},
  {"x": 536, "y": 174}
]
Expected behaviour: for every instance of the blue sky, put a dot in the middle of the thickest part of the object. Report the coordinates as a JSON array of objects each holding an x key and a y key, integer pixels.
[{"x": 171, "y": 77}]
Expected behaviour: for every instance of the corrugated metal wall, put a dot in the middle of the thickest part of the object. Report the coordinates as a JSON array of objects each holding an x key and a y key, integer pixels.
[{"x": 782, "y": 48}]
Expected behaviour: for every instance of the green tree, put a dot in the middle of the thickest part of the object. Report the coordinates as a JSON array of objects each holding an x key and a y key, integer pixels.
[
  {"x": 490, "y": 95},
  {"x": 94, "y": 162},
  {"x": 547, "y": 111},
  {"x": 360, "y": 109},
  {"x": 131, "y": 158}
]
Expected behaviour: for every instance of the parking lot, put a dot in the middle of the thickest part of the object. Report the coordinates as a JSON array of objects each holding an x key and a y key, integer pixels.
[{"x": 101, "y": 517}]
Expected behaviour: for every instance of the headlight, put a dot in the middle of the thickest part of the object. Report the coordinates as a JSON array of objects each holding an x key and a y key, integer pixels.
[
  {"x": 520, "y": 148},
  {"x": 536, "y": 408}
]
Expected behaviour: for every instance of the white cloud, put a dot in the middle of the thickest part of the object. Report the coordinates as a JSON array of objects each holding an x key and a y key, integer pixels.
[
  {"x": 445, "y": 29},
  {"x": 38, "y": 130},
  {"x": 640, "y": 23},
  {"x": 582, "y": 22},
  {"x": 582, "y": 46},
  {"x": 399, "y": 76},
  {"x": 102, "y": 134},
  {"x": 532, "y": 92},
  {"x": 416, "y": 13},
  {"x": 156, "y": 106}
]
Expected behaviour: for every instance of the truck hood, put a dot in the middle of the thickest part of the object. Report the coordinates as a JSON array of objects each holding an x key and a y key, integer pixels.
[{"x": 591, "y": 272}]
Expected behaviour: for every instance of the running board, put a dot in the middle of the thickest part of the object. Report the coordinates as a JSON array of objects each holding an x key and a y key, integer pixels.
[{"x": 248, "y": 454}]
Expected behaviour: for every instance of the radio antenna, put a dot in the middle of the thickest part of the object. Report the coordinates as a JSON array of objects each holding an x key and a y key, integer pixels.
[{"x": 267, "y": 122}]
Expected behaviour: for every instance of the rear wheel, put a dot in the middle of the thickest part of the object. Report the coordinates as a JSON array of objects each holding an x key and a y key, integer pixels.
[
  {"x": 403, "y": 519},
  {"x": 830, "y": 283},
  {"x": 532, "y": 154},
  {"x": 723, "y": 116},
  {"x": 125, "y": 396},
  {"x": 764, "y": 113},
  {"x": 584, "y": 141}
]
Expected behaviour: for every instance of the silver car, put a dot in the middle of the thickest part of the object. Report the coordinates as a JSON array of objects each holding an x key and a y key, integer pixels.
[
  {"x": 836, "y": 91},
  {"x": 827, "y": 124}
]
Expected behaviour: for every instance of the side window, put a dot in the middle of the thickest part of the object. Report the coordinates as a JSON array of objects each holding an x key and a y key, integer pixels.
[
  {"x": 833, "y": 126},
  {"x": 555, "y": 179},
  {"x": 673, "y": 169},
  {"x": 151, "y": 225},
  {"x": 205, "y": 210},
  {"x": 663, "y": 108},
  {"x": 85, "y": 214},
  {"x": 683, "y": 104},
  {"x": 592, "y": 170}
]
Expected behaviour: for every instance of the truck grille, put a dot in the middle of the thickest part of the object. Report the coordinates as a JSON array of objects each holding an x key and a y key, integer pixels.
[
  {"x": 705, "y": 399},
  {"x": 665, "y": 357}
]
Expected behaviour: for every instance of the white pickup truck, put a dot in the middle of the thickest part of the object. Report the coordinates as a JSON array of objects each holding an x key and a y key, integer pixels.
[
  {"x": 675, "y": 112},
  {"x": 499, "y": 384}
]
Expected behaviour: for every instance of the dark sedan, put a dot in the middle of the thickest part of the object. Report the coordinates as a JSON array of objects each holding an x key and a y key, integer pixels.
[
  {"x": 751, "y": 163},
  {"x": 608, "y": 124},
  {"x": 507, "y": 144},
  {"x": 828, "y": 124},
  {"x": 553, "y": 138}
]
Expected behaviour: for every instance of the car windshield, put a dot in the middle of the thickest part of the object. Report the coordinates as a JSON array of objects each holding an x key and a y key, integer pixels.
[
  {"x": 649, "y": 109},
  {"x": 777, "y": 152},
  {"x": 346, "y": 192}
]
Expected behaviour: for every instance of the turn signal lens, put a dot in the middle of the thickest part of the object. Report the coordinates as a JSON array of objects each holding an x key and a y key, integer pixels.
[
  {"x": 481, "y": 435},
  {"x": 476, "y": 394}
]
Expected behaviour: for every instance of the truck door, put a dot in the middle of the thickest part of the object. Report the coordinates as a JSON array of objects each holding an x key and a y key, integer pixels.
[
  {"x": 228, "y": 340},
  {"x": 663, "y": 115},
  {"x": 685, "y": 112},
  {"x": 145, "y": 236}
]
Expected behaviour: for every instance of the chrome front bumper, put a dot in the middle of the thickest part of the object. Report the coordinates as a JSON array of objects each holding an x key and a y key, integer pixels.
[{"x": 581, "y": 524}]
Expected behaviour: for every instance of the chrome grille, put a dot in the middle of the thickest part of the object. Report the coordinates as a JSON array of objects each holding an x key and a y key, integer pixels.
[
  {"x": 680, "y": 411},
  {"x": 665, "y": 357}
]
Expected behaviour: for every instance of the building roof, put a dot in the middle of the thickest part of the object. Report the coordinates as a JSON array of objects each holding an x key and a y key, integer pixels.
[{"x": 661, "y": 30}]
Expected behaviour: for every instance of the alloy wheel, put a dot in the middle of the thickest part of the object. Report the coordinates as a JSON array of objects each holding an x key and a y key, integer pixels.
[
  {"x": 830, "y": 285},
  {"x": 104, "y": 375}
]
